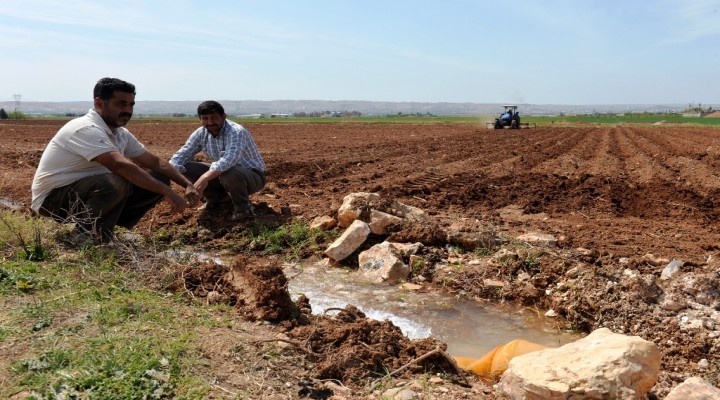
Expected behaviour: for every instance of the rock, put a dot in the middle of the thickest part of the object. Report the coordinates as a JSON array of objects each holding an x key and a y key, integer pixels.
[
  {"x": 205, "y": 234},
  {"x": 328, "y": 263},
  {"x": 407, "y": 249},
  {"x": 691, "y": 322},
  {"x": 399, "y": 394},
  {"x": 380, "y": 221},
  {"x": 436, "y": 380},
  {"x": 349, "y": 241},
  {"x": 493, "y": 283},
  {"x": 407, "y": 212},
  {"x": 410, "y": 286},
  {"x": 572, "y": 272},
  {"x": 523, "y": 276},
  {"x": 215, "y": 297},
  {"x": 337, "y": 388},
  {"x": 603, "y": 365},
  {"x": 323, "y": 223},
  {"x": 353, "y": 206},
  {"x": 673, "y": 302},
  {"x": 551, "y": 313},
  {"x": 504, "y": 256},
  {"x": 471, "y": 233},
  {"x": 654, "y": 261},
  {"x": 671, "y": 269},
  {"x": 538, "y": 238},
  {"x": 383, "y": 263},
  {"x": 694, "y": 389}
]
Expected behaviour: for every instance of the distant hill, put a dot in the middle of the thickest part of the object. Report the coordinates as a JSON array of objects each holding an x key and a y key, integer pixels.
[{"x": 367, "y": 108}]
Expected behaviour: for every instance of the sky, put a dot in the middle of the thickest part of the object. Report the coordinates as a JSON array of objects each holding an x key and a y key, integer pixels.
[{"x": 457, "y": 51}]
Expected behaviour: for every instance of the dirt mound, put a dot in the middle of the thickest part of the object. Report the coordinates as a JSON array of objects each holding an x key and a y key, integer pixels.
[
  {"x": 352, "y": 349},
  {"x": 255, "y": 287},
  {"x": 347, "y": 347}
]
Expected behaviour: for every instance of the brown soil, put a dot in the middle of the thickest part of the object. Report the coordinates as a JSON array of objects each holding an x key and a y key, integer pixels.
[{"x": 621, "y": 200}]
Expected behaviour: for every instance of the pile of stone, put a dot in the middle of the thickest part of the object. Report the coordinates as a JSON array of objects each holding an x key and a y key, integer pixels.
[{"x": 362, "y": 214}]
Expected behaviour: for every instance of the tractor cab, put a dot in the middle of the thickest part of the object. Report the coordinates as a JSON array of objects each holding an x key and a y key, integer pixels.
[{"x": 509, "y": 119}]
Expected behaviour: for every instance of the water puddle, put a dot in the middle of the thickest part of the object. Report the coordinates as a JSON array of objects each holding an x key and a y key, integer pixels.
[
  {"x": 7, "y": 203},
  {"x": 469, "y": 328}
]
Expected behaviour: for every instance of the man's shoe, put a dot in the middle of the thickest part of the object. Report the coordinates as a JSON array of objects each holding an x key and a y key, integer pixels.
[
  {"x": 238, "y": 216},
  {"x": 77, "y": 239},
  {"x": 216, "y": 204}
]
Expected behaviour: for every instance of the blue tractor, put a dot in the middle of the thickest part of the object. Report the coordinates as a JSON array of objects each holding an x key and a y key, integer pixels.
[{"x": 509, "y": 119}]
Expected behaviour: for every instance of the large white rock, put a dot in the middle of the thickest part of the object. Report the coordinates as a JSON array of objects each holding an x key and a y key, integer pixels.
[
  {"x": 323, "y": 223},
  {"x": 353, "y": 206},
  {"x": 349, "y": 241},
  {"x": 383, "y": 263},
  {"x": 380, "y": 221},
  {"x": 407, "y": 212},
  {"x": 694, "y": 389},
  {"x": 538, "y": 238},
  {"x": 408, "y": 249},
  {"x": 603, "y": 365}
]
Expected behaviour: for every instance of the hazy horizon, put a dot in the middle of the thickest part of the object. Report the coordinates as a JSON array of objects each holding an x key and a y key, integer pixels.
[{"x": 368, "y": 108}]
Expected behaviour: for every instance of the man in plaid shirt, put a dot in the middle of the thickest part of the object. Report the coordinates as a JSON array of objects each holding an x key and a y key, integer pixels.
[{"x": 237, "y": 169}]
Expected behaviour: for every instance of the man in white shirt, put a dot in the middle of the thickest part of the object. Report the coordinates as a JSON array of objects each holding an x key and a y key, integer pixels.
[{"x": 93, "y": 171}]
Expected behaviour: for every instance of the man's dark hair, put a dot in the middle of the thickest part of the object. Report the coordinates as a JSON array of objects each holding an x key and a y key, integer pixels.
[
  {"x": 106, "y": 87},
  {"x": 210, "y": 107}
]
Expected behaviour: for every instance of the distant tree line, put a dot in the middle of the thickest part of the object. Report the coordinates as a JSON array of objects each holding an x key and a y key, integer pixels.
[
  {"x": 320, "y": 114},
  {"x": 417, "y": 114},
  {"x": 699, "y": 109},
  {"x": 12, "y": 115}
]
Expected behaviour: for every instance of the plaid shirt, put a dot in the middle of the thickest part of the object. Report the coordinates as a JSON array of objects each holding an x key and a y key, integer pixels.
[{"x": 233, "y": 146}]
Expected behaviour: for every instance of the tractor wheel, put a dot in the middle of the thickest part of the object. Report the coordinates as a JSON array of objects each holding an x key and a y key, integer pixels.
[{"x": 498, "y": 125}]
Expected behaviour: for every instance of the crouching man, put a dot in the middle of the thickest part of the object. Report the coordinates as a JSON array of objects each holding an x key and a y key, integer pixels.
[
  {"x": 237, "y": 170},
  {"x": 92, "y": 171}
]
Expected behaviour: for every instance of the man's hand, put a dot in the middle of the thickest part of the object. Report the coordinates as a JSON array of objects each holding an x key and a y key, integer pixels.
[
  {"x": 177, "y": 202},
  {"x": 192, "y": 195},
  {"x": 202, "y": 183}
]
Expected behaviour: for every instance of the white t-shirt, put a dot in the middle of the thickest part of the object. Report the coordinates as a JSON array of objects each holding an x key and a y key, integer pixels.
[{"x": 68, "y": 157}]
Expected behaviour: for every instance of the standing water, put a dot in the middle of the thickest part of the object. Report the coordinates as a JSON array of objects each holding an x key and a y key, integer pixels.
[
  {"x": 9, "y": 204},
  {"x": 469, "y": 328}
]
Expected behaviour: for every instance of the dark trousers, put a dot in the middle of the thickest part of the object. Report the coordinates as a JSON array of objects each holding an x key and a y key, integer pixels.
[
  {"x": 100, "y": 202},
  {"x": 237, "y": 182}
]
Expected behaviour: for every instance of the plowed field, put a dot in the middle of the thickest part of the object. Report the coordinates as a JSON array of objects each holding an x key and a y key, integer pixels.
[{"x": 627, "y": 190}]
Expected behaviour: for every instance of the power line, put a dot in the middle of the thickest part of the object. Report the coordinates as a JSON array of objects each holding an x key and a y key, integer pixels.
[{"x": 17, "y": 97}]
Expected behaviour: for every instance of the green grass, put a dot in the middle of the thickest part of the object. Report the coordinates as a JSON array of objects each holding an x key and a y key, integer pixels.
[
  {"x": 84, "y": 326},
  {"x": 295, "y": 240},
  {"x": 86, "y": 323},
  {"x": 412, "y": 119},
  {"x": 622, "y": 119}
]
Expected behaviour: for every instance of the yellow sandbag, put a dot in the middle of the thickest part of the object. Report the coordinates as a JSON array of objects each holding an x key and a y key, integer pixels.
[
  {"x": 464, "y": 362},
  {"x": 496, "y": 361}
]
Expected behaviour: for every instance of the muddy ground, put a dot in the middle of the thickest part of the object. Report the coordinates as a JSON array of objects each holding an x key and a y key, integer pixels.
[{"x": 622, "y": 201}]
